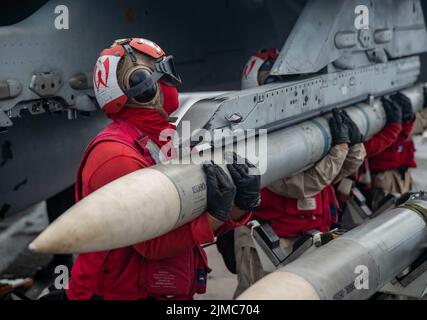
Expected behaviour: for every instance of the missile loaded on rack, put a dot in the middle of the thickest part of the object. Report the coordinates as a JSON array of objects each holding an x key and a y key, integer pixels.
[{"x": 325, "y": 63}]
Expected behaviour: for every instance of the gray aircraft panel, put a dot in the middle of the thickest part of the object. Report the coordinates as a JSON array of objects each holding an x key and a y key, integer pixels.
[
  {"x": 275, "y": 106},
  {"x": 41, "y": 153},
  {"x": 33, "y": 51},
  {"x": 326, "y": 31},
  {"x": 202, "y": 44},
  {"x": 39, "y": 157}
]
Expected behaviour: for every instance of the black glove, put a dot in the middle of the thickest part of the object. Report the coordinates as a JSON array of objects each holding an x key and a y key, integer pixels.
[
  {"x": 355, "y": 136},
  {"x": 248, "y": 186},
  {"x": 405, "y": 104},
  {"x": 392, "y": 111},
  {"x": 220, "y": 191},
  {"x": 340, "y": 131}
]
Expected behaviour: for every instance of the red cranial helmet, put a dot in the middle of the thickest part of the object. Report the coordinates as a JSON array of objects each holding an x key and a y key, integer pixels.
[
  {"x": 258, "y": 67},
  {"x": 128, "y": 73}
]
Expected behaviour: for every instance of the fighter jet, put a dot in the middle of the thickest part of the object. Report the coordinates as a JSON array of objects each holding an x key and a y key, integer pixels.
[
  {"x": 342, "y": 54},
  {"x": 48, "y": 50}
]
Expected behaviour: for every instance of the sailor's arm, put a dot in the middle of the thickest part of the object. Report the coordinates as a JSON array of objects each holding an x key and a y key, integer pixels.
[
  {"x": 389, "y": 134},
  {"x": 310, "y": 182},
  {"x": 110, "y": 161},
  {"x": 355, "y": 157},
  {"x": 420, "y": 123}
]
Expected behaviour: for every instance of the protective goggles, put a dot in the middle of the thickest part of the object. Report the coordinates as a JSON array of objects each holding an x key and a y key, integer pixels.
[{"x": 164, "y": 69}]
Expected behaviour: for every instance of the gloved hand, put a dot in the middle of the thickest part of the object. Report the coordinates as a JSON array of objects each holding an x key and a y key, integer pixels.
[
  {"x": 392, "y": 111},
  {"x": 248, "y": 195},
  {"x": 220, "y": 191},
  {"x": 355, "y": 136},
  {"x": 405, "y": 103},
  {"x": 340, "y": 131}
]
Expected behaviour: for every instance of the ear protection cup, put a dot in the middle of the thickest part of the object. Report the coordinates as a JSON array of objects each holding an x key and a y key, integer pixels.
[{"x": 138, "y": 76}]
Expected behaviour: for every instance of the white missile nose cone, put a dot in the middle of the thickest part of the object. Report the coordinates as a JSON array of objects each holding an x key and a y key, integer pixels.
[
  {"x": 137, "y": 207},
  {"x": 41, "y": 245},
  {"x": 32, "y": 247}
]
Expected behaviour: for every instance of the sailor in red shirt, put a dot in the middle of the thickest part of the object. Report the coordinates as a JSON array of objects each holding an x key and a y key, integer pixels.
[
  {"x": 391, "y": 152},
  {"x": 140, "y": 100},
  {"x": 304, "y": 201}
]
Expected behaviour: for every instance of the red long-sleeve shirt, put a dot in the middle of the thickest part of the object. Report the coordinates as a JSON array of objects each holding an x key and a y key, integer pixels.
[
  {"x": 172, "y": 264},
  {"x": 111, "y": 160},
  {"x": 382, "y": 140},
  {"x": 391, "y": 148}
]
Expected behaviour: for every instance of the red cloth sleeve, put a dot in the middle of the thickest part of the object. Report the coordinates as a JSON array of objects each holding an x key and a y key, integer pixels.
[
  {"x": 231, "y": 224},
  {"x": 109, "y": 161},
  {"x": 407, "y": 128},
  {"x": 382, "y": 140},
  {"x": 196, "y": 232},
  {"x": 111, "y": 170}
]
